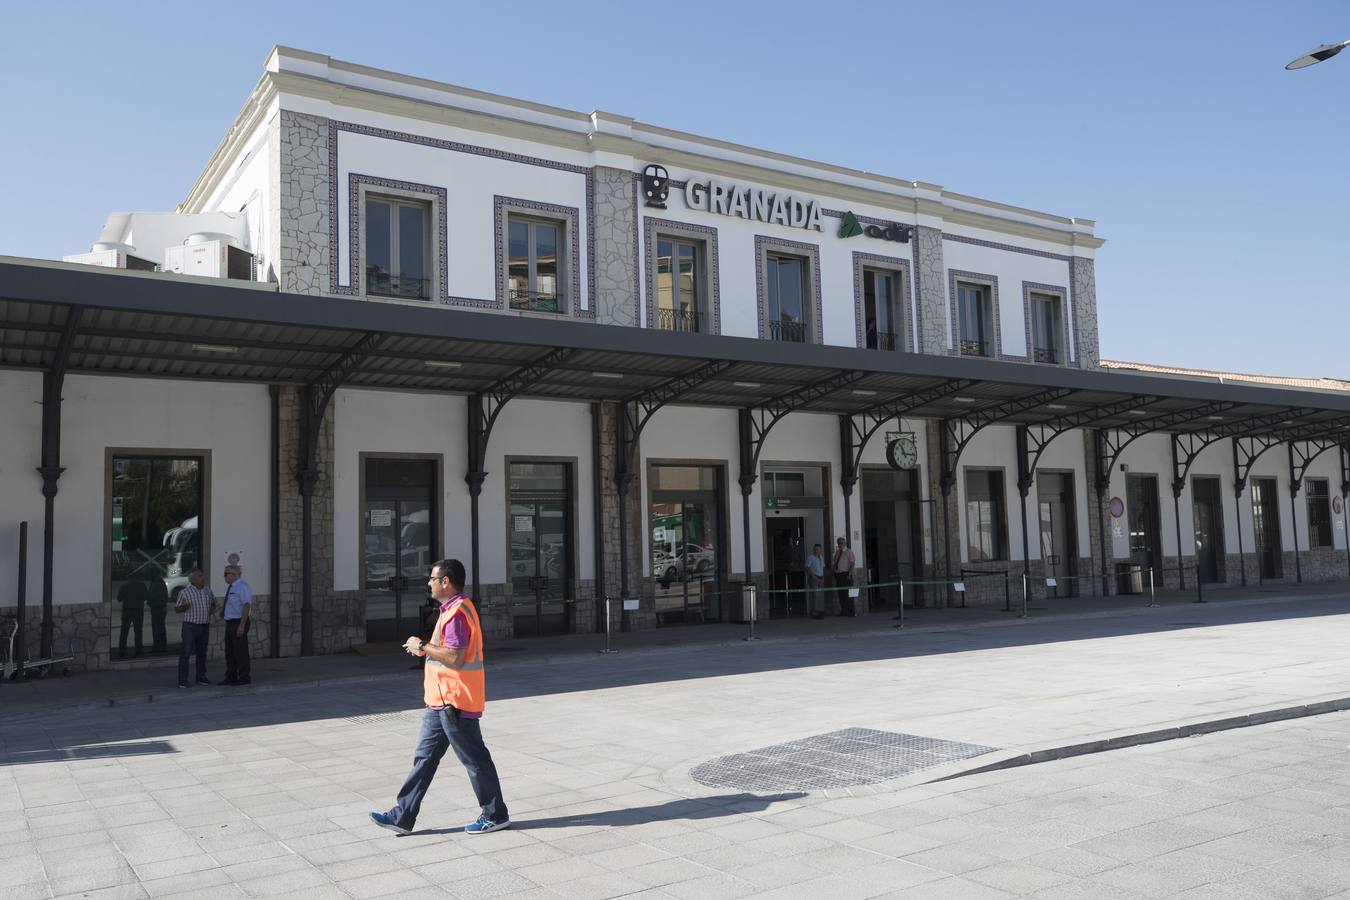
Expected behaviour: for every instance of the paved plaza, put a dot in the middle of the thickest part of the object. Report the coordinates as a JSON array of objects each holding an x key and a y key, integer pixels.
[{"x": 829, "y": 763}]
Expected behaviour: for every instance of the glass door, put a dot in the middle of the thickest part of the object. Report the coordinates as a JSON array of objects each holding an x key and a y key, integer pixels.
[
  {"x": 685, "y": 561},
  {"x": 1059, "y": 550},
  {"x": 399, "y": 544},
  {"x": 1266, "y": 525},
  {"x": 1141, "y": 492},
  {"x": 541, "y": 548},
  {"x": 1209, "y": 551}
]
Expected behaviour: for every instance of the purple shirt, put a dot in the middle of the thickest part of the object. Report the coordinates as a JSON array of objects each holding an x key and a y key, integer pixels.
[{"x": 455, "y": 635}]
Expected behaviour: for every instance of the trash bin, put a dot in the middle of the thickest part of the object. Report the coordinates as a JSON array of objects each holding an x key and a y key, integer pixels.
[
  {"x": 742, "y": 604},
  {"x": 1129, "y": 578}
]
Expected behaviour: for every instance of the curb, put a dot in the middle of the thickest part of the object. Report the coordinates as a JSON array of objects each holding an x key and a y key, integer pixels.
[{"x": 1120, "y": 742}]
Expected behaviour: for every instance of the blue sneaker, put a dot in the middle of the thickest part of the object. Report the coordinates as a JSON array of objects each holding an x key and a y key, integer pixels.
[
  {"x": 383, "y": 820},
  {"x": 484, "y": 825}
]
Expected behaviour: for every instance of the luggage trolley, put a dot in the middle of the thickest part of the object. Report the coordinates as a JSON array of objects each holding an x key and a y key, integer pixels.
[{"x": 12, "y": 667}]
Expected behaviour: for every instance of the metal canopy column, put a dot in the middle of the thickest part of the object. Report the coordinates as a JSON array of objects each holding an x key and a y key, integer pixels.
[
  {"x": 753, "y": 425},
  {"x": 633, "y": 416},
  {"x": 483, "y": 409},
  {"x": 53, "y": 380},
  {"x": 1345, "y": 497},
  {"x": 313, "y": 406}
]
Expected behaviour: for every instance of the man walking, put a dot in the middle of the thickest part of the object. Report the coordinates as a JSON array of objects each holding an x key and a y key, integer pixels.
[
  {"x": 238, "y": 602},
  {"x": 842, "y": 568},
  {"x": 815, "y": 578},
  {"x": 453, "y": 690},
  {"x": 196, "y": 603}
]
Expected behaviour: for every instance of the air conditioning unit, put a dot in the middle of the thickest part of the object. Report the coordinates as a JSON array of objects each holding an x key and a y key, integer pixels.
[
  {"x": 112, "y": 259},
  {"x": 210, "y": 256}
]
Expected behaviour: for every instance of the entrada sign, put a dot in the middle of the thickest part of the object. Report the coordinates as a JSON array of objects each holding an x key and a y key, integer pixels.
[{"x": 752, "y": 203}]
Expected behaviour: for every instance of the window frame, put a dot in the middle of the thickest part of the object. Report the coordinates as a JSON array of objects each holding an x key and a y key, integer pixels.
[
  {"x": 708, "y": 281},
  {"x": 399, "y": 194},
  {"x": 1323, "y": 519},
  {"x": 998, "y": 500},
  {"x": 532, "y": 223},
  {"x": 809, "y": 254},
  {"x": 993, "y": 332},
  {"x": 899, "y": 270},
  {"x": 1031, "y": 291},
  {"x": 567, "y": 219}
]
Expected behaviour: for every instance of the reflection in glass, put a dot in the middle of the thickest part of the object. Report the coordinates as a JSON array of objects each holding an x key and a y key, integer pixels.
[
  {"x": 412, "y": 246},
  {"x": 156, "y": 543},
  {"x": 677, "y": 279},
  {"x": 379, "y": 262},
  {"x": 397, "y": 251},
  {"x": 972, "y": 308},
  {"x": 540, "y": 566},
  {"x": 786, "y": 298},
  {"x": 881, "y": 330},
  {"x": 1045, "y": 328},
  {"x": 534, "y": 269}
]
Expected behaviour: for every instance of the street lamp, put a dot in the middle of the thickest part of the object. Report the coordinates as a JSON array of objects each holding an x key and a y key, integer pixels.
[{"x": 1317, "y": 55}]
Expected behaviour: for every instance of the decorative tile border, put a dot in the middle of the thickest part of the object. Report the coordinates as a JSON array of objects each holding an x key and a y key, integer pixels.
[
  {"x": 765, "y": 244},
  {"x": 892, "y": 264},
  {"x": 1030, "y": 287},
  {"x": 955, "y": 275},
  {"x": 568, "y": 215},
  {"x": 1012, "y": 248},
  {"x": 651, "y": 228},
  {"x": 335, "y": 127}
]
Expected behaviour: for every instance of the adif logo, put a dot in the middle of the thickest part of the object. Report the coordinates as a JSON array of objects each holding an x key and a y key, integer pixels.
[{"x": 849, "y": 226}]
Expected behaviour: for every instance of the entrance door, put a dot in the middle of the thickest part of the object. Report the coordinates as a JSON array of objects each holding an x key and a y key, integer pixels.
[
  {"x": 1142, "y": 497},
  {"x": 541, "y": 548},
  {"x": 1209, "y": 553},
  {"x": 1266, "y": 524},
  {"x": 399, "y": 541},
  {"x": 787, "y": 564},
  {"x": 685, "y": 561},
  {"x": 1059, "y": 539},
  {"x": 891, "y": 533}
]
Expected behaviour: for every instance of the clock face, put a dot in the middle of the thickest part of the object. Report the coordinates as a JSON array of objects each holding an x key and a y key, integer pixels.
[{"x": 901, "y": 453}]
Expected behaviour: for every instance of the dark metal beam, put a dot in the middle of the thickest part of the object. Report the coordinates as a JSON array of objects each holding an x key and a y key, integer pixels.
[
  {"x": 960, "y": 430},
  {"x": 1111, "y": 442},
  {"x": 1039, "y": 435},
  {"x": 314, "y": 400},
  {"x": 53, "y": 381}
]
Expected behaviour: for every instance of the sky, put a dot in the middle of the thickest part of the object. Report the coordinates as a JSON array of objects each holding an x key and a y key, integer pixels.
[{"x": 1218, "y": 180}]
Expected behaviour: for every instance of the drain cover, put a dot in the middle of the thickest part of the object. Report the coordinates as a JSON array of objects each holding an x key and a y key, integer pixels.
[
  {"x": 378, "y": 718},
  {"x": 844, "y": 758}
]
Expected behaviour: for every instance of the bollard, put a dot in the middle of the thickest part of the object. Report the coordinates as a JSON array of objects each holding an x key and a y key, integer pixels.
[
  {"x": 609, "y": 619},
  {"x": 1152, "y": 594},
  {"x": 900, "y": 614},
  {"x": 753, "y": 612},
  {"x": 1024, "y": 596},
  {"x": 1199, "y": 588}
]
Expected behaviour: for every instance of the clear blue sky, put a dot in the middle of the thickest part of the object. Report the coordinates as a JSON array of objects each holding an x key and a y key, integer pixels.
[{"x": 1218, "y": 179}]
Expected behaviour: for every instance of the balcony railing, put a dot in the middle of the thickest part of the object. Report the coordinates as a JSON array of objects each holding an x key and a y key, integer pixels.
[
  {"x": 535, "y": 301},
  {"x": 384, "y": 284},
  {"x": 1046, "y": 355},
  {"x": 678, "y": 320},
  {"x": 793, "y": 332},
  {"x": 974, "y": 348},
  {"x": 883, "y": 340}
]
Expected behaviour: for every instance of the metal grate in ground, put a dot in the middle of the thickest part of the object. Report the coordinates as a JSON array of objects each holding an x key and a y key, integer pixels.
[
  {"x": 837, "y": 759},
  {"x": 378, "y": 718}
]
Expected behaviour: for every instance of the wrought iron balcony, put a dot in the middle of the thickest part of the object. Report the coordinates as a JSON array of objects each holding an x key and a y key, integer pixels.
[
  {"x": 974, "y": 348},
  {"x": 678, "y": 320},
  {"x": 535, "y": 301},
  {"x": 883, "y": 340},
  {"x": 793, "y": 332},
  {"x": 1046, "y": 355},
  {"x": 385, "y": 284}
]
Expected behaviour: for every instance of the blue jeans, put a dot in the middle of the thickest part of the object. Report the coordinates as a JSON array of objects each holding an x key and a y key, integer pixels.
[
  {"x": 194, "y": 641},
  {"x": 442, "y": 729}
]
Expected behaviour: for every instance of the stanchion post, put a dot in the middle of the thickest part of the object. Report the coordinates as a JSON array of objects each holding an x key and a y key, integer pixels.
[
  {"x": 900, "y": 613},
  {"x": 754, "y": 602},
  {"x": 609, "y": 623},
  {"x": 1152, "y": 594},
  {"x": 1199, "y": 588},
  {"x": 1024, "y": 595}
]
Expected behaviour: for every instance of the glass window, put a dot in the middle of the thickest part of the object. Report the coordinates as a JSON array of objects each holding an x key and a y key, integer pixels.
[
  {"x": 986, "y": 526},
  {"x": 534, "y": 270},
  {"x": 156, "y": 543},
  {"x": 1319, "y": 512},
  {"x": 1046, "y": 328},
  {"x": 679, "y": 279},
  {"x": 398, "y": 256},
  {"x": 881, "y": 310},
  {"x": 684, "y": 478},
  {"x": 973, "y": 310},
  {"x": 786, "y": 300}
]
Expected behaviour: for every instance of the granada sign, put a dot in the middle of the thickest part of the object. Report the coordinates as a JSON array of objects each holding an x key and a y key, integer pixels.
[{"x": 752, "y": 203}]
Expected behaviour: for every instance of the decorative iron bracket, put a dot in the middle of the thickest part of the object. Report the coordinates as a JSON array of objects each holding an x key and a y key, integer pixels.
[
  {"x": 1036, "y": 438},
  {"x": 485, "y": 406},
  {"x": 1187, "y": 447},
  {"x": 755, "y": 423},
  {"x": 53, "y": 383},
  {"x": 854, "y": 434},
  {"x": 1246, "y": 451},
  {"x": 956, "y": 433},
  {"x": 1301, "y": 456},
  {"x": 314, "y": 403},
  {"x": 637, "y": 411},
  {"x": 1111, "y": 442},
  {"x": 1345, "y": 470}
]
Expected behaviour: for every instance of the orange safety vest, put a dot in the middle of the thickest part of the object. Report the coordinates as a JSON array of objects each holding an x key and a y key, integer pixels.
[{"x": 458, "y": 684}]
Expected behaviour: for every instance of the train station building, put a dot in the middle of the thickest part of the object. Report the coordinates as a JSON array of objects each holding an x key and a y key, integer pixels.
[{"x": 396, "y": 320}]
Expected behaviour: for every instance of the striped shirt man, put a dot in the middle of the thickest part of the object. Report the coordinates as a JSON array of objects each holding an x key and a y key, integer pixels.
[{"x": 200, "y": 603}]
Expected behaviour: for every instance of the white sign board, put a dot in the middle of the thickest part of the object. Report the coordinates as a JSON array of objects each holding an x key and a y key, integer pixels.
[
  {"x": 959, "y": 587},
  {"x": 1050, "y": 582},
  {"x": 522, "y": 523},
  {"x": 854, "y": 592},
  {"x": 630, "y": 605},
  {"x": 381, "y": 518}
]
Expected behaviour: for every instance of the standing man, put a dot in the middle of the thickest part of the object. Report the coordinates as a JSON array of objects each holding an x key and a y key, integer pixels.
[
  {"x": 132, "y": 596},
  {"x": 157, "y": 601},
  {"x": 454, "y": 693},
  {"x": 238, "y": 602},
  {"x": 196, "y": 603},
  {"x": 842, "y": 567},
  {"x": 815, "y": 578}
]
